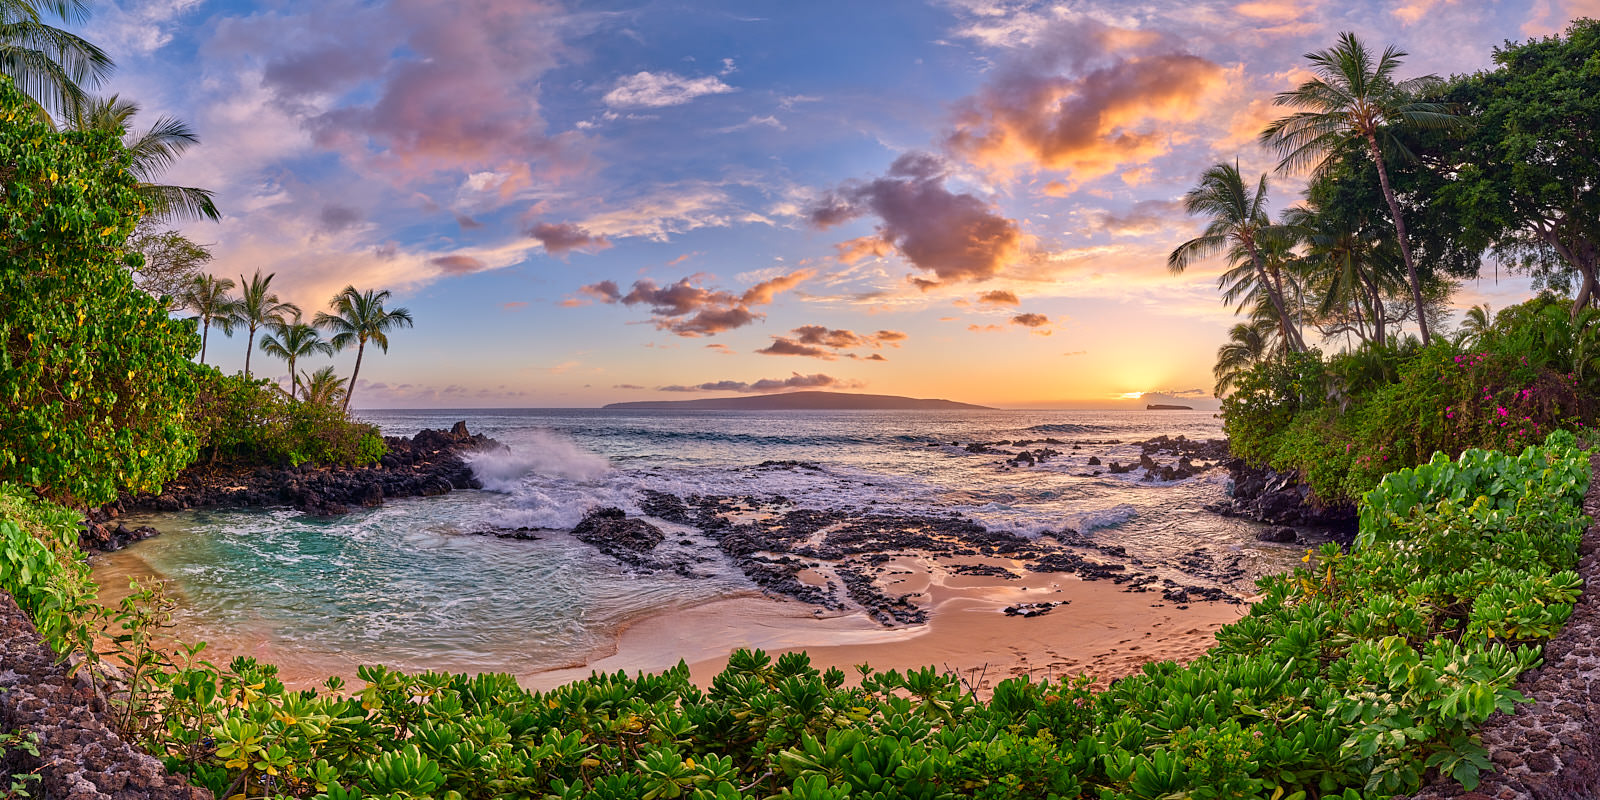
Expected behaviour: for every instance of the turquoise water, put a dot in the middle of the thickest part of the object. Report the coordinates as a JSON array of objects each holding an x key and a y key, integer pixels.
[{"x": 410, "y": 584}]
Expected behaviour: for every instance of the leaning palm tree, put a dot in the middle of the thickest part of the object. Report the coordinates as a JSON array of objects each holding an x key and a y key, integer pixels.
[
  {"x": 323, "y": 387},
  {"x": 291, "y": 341},
  {"x": 1248, "y": 344},
  {"x": 1239, "y": 225},
  {"x": 49, "y": 65},
  {"x": 153, "y": 151},
  {"x": 358, "y": 317},
  {"x": 1356, "y": 101},
  {"x": 259, "y": 307},
  {"x": 208, "y": 298}
]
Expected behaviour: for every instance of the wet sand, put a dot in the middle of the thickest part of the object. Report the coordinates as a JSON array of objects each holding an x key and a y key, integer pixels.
[{"x": 1101, "y": 631}]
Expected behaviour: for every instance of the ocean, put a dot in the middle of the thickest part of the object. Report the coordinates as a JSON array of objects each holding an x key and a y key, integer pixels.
[{"x": 411, "y": 584}]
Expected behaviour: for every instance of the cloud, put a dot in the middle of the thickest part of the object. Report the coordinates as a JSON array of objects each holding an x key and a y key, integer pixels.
[
  {"x": 762, "y": 293},
  {"x": 564, "y": 237},
  {"x": 718, "y": 347},
  {"x": 514, "y": 305},
  {"x": 795, "y": 381},
  {"x": 690, "y": 310},
  {"x": 627, "y": 386},
  {"x": 956, "y": 236},
  {"x": 1086, "y": 99},
  {"x": 335, "y": 218},
  {"x": 985, "y": 328},
  {"x": 820, "y": 341},
  {"x": 445, "y": 86},
  {"x": 1143, "y": 217},
  {"x": 1076, "y": 353},
  {"x": 1030, "y": 320},
  {"x": 457, "y": 264},
  {"x": 661, "y": 89},
  {"x": 862, "y": 247},
  {"x": 999, "y": 297},
  {"x": 782, "y": 346}
]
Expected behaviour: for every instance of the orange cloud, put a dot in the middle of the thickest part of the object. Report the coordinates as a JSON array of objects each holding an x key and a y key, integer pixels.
[
  {"x": 514, "y": 305},
  {"x": 999, "y": 297},
  {"x": 854, "y": 250},
  {"x": 1052, "y": 114}
]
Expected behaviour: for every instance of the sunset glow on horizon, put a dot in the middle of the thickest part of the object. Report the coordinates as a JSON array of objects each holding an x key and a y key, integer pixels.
[{"x": 593, "y": 202}]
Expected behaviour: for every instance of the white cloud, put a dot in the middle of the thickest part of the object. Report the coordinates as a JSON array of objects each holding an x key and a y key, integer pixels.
[{"x": 661, "y": 89}]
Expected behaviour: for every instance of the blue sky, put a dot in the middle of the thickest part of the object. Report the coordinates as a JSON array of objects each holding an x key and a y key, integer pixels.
[{"x": 590, "y": 202}]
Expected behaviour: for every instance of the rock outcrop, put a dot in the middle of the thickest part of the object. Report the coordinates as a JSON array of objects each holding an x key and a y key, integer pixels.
[
  {"x": 427, "y": 464},
  {"x": 80, "y": 756}
]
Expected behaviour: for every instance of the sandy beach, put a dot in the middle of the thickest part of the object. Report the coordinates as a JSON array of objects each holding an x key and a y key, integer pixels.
[{"x": 1099, "y": 630}]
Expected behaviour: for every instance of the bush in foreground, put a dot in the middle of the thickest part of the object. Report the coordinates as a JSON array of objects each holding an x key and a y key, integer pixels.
[{"x": 1356, "y": 675}]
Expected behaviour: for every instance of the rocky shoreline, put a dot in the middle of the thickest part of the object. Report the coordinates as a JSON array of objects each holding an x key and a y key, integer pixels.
[
  {"x": 430, "y": 463},
  {"x": 844, "y": 559}
]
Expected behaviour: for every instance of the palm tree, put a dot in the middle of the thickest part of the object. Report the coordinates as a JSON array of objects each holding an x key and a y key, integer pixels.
[
  {"x": 208, "y": 298},
  {"x": 1353, "y": 267},
  {"x": 259, "y": 306},
  {"x": 153, "y": 151},
  {"x": 323, "y": 387},
  {"x": 1476, "y": 323},
  {"x": 357, "y": 318},
  {"x": 1355, "y": 101},
  {"x": 290, "y": 341},
  {"x": 1239, "y": 224},
  {"x": 1248, "y": 344},
  {"x": 49, "y": 65}
]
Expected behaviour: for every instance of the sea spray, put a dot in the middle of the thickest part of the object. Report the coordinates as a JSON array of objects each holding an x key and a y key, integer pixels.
[{"x": 535, "y": 452}]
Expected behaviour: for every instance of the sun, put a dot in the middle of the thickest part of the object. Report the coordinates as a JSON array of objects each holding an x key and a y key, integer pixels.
[{"x": 1130, "y": 395}]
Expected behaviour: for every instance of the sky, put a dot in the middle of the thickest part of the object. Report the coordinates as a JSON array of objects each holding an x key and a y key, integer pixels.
[{"x": 591, "y": 202}]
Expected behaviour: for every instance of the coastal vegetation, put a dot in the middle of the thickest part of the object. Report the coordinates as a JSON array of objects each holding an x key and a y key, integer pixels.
[
  {"x": 1415, "y": 183},
  {"x": 1361, "y": 673}
]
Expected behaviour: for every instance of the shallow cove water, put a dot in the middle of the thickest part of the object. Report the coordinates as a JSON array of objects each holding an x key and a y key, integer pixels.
[{"x": 412, "y": 585}]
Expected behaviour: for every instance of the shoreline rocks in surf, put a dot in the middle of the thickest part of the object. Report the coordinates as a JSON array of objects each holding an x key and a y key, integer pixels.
[
  {"x": 427, "y": 464},
  {"x": 1279, "y": 499},
  {"x": 841, "y": 560}
]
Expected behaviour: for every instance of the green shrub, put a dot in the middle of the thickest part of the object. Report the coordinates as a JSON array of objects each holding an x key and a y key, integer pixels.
[
  {"x": 94, "y": 378},
  {"x": 1346, "y": 422},
  {"x": 251, "y": 421}
]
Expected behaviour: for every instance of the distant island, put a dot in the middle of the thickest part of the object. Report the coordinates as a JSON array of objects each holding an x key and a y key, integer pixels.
[
  {"x": 804, "y": 401},
  {"x": 1163, "y": 407}
]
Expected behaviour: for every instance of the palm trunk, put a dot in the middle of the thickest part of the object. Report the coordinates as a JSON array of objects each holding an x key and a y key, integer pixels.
[
  {"x": 1378, "y": 322},
  {"x": 1400, "y": 235},
  {"x": 1284, "y": 328},
  {"x": 361, "y": 349},
  {"x": 205, "y": 333},
  {"x": 294, "y": 380},
  {"x": 249, "y": 345}
]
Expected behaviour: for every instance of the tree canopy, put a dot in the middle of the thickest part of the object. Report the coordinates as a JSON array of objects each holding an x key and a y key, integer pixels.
[{"x": 95, "y": 376}]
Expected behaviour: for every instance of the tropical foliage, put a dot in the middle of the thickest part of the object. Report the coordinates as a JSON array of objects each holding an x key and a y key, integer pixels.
[
  {"x": 259, "y": 307},
  {"x": 1357, "y": 675},
  {"x": 360, "y": 317},
  {"x": 245, "y": 422},
  {"x": 51, "y": 66},
  {"x": 94, "y": 376}
]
